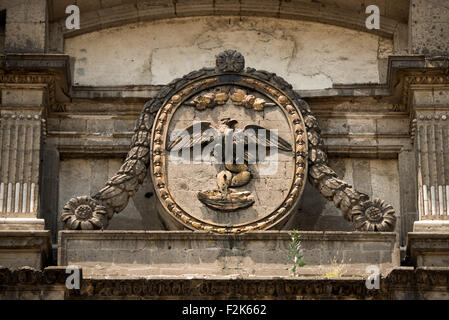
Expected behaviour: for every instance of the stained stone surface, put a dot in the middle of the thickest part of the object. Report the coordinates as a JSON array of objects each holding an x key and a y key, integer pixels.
[
  {"x": 372, "y": 145},
  {"x": 288, "y": 48},
  {"x": 367, "y": 175},
  {"x": 199, "y": 254},
  {"x": 27, "y": 26},
  {"x": 429, "y": 27}
]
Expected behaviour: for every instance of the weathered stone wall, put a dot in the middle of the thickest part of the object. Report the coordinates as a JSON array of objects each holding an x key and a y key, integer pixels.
[
  {"x": 101, "y": 14},
  {"x": 377, "y": 178},
  {"x": 87, "y": 176},
  {"x": 370, "y": 131},
  {"x": 363, "y": 142},
  {"x": 26, "y": 26},
  {"x": 197, "y": 254},
  {"x": 309, "y": 55},
  {"x": 429, "y": 27}
]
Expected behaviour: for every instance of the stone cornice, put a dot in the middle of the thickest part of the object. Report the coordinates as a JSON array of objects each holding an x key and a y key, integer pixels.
[
  {"x": 120, "y": 151},
  {"x": 418, "y": 282},
  {"x": 419, "y": 243},
  {"x": 17, "y": 241},
  {"x": 27, "y": 276},
  {"x": 50, "y": 70},
  {"x": 37, "y": 61},
  {"x": 25, "y": 239},
  {"x": 64, "y": 235},
  {"x": 404, "y": 74}
]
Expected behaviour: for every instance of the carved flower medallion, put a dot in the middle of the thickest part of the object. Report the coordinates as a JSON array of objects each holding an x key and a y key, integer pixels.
[
  {"x": 84, "y": 213},
  {"x": 373, "y": 215},
  {"x": 230, "y": 61}
]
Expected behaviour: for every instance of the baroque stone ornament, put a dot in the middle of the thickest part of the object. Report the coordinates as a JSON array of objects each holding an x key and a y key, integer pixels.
[
  {"x": 211, "y": 94},
  {"x": 230, "y": 61},
  {"x": 220, "y": 199},
  {"x": 373, "y": 216},
  {"x": 84, "y": 213}
]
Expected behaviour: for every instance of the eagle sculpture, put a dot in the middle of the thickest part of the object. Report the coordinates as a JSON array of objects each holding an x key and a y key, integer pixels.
[{"x": 236, "y": 149}]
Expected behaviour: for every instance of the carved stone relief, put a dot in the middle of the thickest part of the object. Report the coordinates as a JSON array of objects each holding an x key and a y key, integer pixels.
[{"x": 214, "y": 96}]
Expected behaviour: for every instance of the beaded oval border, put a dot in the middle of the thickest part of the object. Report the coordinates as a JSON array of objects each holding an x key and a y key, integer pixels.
[{"x": 158, "y": 167}]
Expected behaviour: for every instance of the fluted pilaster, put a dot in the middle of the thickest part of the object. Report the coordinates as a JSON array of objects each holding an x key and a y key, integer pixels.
[
  {"x": 430, "y": 133},
  {"x": 20, "y": 146},
  {"x": 432, "y": 145}
]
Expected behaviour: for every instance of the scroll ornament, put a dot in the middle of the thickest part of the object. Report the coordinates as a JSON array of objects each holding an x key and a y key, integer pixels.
[{"x": 95, "y": 212}]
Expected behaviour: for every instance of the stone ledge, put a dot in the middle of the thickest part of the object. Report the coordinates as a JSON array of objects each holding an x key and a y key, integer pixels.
[
  {"x": 14, "y": 224},
  {"x": 428, "y": 249},
  {"x": 203, "y": 235},
  {"x": 20, "y": 248},
  {"x": 134, "y": 254},
  {"x": 143, "y": 92},
  {"x": 35, "y": 64},
  {"x": 400, "y": 283},
  {"x": 26, "y": 283},
  {"x": 431, "y": 226}
]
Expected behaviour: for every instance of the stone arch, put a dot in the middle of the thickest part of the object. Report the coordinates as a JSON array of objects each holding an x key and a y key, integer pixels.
[{"x": 95, "y": 16}]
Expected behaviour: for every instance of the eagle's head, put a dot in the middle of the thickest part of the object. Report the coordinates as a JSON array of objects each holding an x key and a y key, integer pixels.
[{"x": 229, "y": 122}]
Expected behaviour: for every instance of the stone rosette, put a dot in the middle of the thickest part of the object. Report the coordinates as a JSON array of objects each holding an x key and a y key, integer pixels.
[
  {"x": 230, "y": 61},
  {"x": 373, "y": 215},
  {"x": 84, "y": 213}
]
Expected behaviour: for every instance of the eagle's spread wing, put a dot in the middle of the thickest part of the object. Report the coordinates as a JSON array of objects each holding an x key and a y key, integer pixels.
[
  {"x": 193, "y": 138},
  {"x": 270, "y": 136}
]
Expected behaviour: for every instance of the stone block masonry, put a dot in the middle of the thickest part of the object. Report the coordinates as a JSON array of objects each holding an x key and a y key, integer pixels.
[{"x": 134, "y": 254}]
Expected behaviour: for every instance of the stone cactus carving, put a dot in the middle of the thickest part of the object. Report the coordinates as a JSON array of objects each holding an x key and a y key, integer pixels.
[{"x": 366, "y": 215}]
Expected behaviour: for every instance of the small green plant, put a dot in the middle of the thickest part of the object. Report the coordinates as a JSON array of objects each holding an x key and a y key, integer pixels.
[{"x": 295, "y": 252}]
